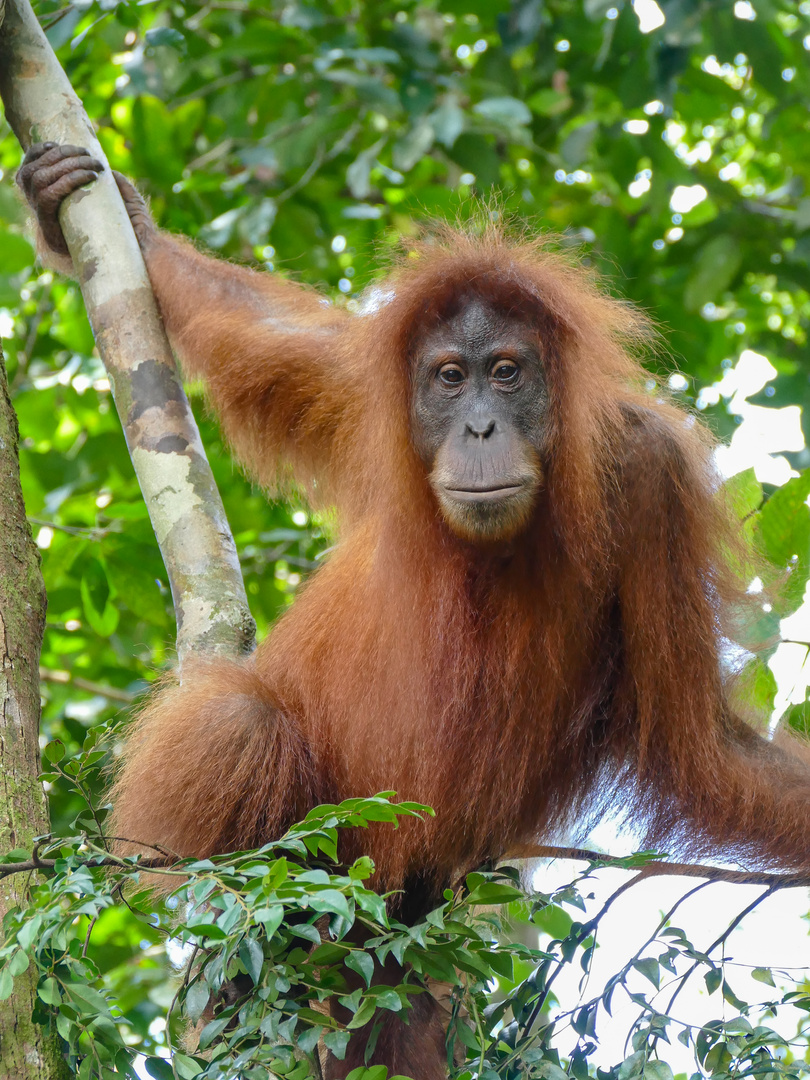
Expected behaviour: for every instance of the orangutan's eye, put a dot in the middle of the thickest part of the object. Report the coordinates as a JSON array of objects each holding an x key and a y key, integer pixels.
[
  {"x": 505, "y": 372},
  {"x": 451, "y": 375}
]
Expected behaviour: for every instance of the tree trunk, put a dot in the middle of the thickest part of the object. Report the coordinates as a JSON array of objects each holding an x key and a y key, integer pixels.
[
  {"x": 164, "y": 443},
  {"x": 27, "y": 1052}
]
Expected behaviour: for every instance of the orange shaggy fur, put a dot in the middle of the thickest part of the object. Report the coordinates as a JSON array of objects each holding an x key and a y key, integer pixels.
[{"x": 515, "y": 687}]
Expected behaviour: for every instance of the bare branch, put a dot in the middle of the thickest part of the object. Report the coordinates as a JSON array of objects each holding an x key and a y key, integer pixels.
[
  {"x": 659, "y": 868},
  {"x": 7, "y": 869}
]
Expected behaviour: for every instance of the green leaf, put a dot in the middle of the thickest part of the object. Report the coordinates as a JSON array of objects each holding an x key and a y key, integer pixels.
[
  {"x": 54, "y": 751},
  {"x": 504, "y": 111},
  {"x": 803, "y": 215},
  {"x": 251, "y": 955},
  {"x": 16, "y": 854},
  {"x": 327, "y": 953},
  {"x": 756, "y": 686},
  {"x": 197, "y": 998},
  {"x": 373, "y": 904},
  {"x": 548, "y": 102},
  {"x": 66, "y": 1027},
  {"x": 436, "y": 918},
  {"x": 715, "y": 269},
  {"x": 738, "y": 1026},
  {"x": 212, "y": 1031},
  {"x": 631, "y": 1066},
  {"x": 308, "y": 1040},
  {"x": 493, "y": 892},
  {"x": 389, "y": 999},
  {"x": 132, "y": 574},
  {"x": 6, "y": 984},
  {"x": 475, "y": 154},
  {"x": 202, "y": 890},
  {"x": 501, "y": 963},
  {"x": 27, "y": 934},
  {"x": 657, "y": 1070},
  {"x": 306, "y": 931},
  {"x": 362, "y": 963},
  {"x": 550, "y": 1071},
  {"x": 553, "y": 920},
  {"x": 731, "y": 997},
  {"x": 576, "y": 147},
  {"x": 784, "y": 522},
  {"x": 763, "y": 975},
  {"x": 166, "y": 35},
  {"x": 333, "y": 901},
  {"x": 187, "y": 1068},
  {"x": 159, "y": 1068},
  {"x": 87, "y": 998},
  {"x": 270, "y": 917},
  {"x": 100, "y": 612},
  {"x": 276, "y": 874},
  {"x": 48, "y": 991},
  {"x": 650, "y": 969},
  {"x": 358, "y": 174},
  {"x": 337, "y": 1041},
  {"x": 413, "y": 145},
  {"x": 447, "y": 122},
  {"x": 743, "y": 492},
  {"x": 18, "y": 963},
  {"x": 365, "y": 1013}
]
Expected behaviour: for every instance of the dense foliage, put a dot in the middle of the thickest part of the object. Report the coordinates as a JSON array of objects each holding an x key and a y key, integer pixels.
[
  {"x": 265, "y": 935},
  {"x": 309, "y": 137}
]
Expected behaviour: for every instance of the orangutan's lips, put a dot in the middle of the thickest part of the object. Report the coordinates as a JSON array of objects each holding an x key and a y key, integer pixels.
[{"x": 489, "y": 494}]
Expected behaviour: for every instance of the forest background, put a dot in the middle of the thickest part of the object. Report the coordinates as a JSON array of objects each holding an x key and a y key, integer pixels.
[{"x": 668, "y": 144}]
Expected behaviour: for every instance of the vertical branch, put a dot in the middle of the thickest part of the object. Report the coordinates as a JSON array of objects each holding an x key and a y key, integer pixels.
[
  {"x": 25, "y": 1048},
  {"x": 164, "y": 443}
]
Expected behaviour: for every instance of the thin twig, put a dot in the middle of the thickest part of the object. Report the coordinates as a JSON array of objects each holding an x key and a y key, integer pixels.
[
  {"x": 35, "y": 859},
  {"x": 664, "y": 921},
  {"x": 304, "y": 178},
  {"x": 585, "y": 931},
  {"x": 142, "y": 843},
  {"x": 660, "y": 868},
  {"x": 57, "y": 17},
  {"x": 720, "y": 941},
  {"x": 90, "y": 531},
  {"x": 93, "y": 922},
  {"x": 219, "y": 150},
  {"x": 65, "y": 678},
  {"x": 270, "y": 139},
  {"x": 321, "y": 158},
  {"x": 212, "y": 87}
]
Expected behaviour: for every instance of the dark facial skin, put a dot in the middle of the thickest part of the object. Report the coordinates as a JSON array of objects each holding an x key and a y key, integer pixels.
[{"x": 478, "y": 419}]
